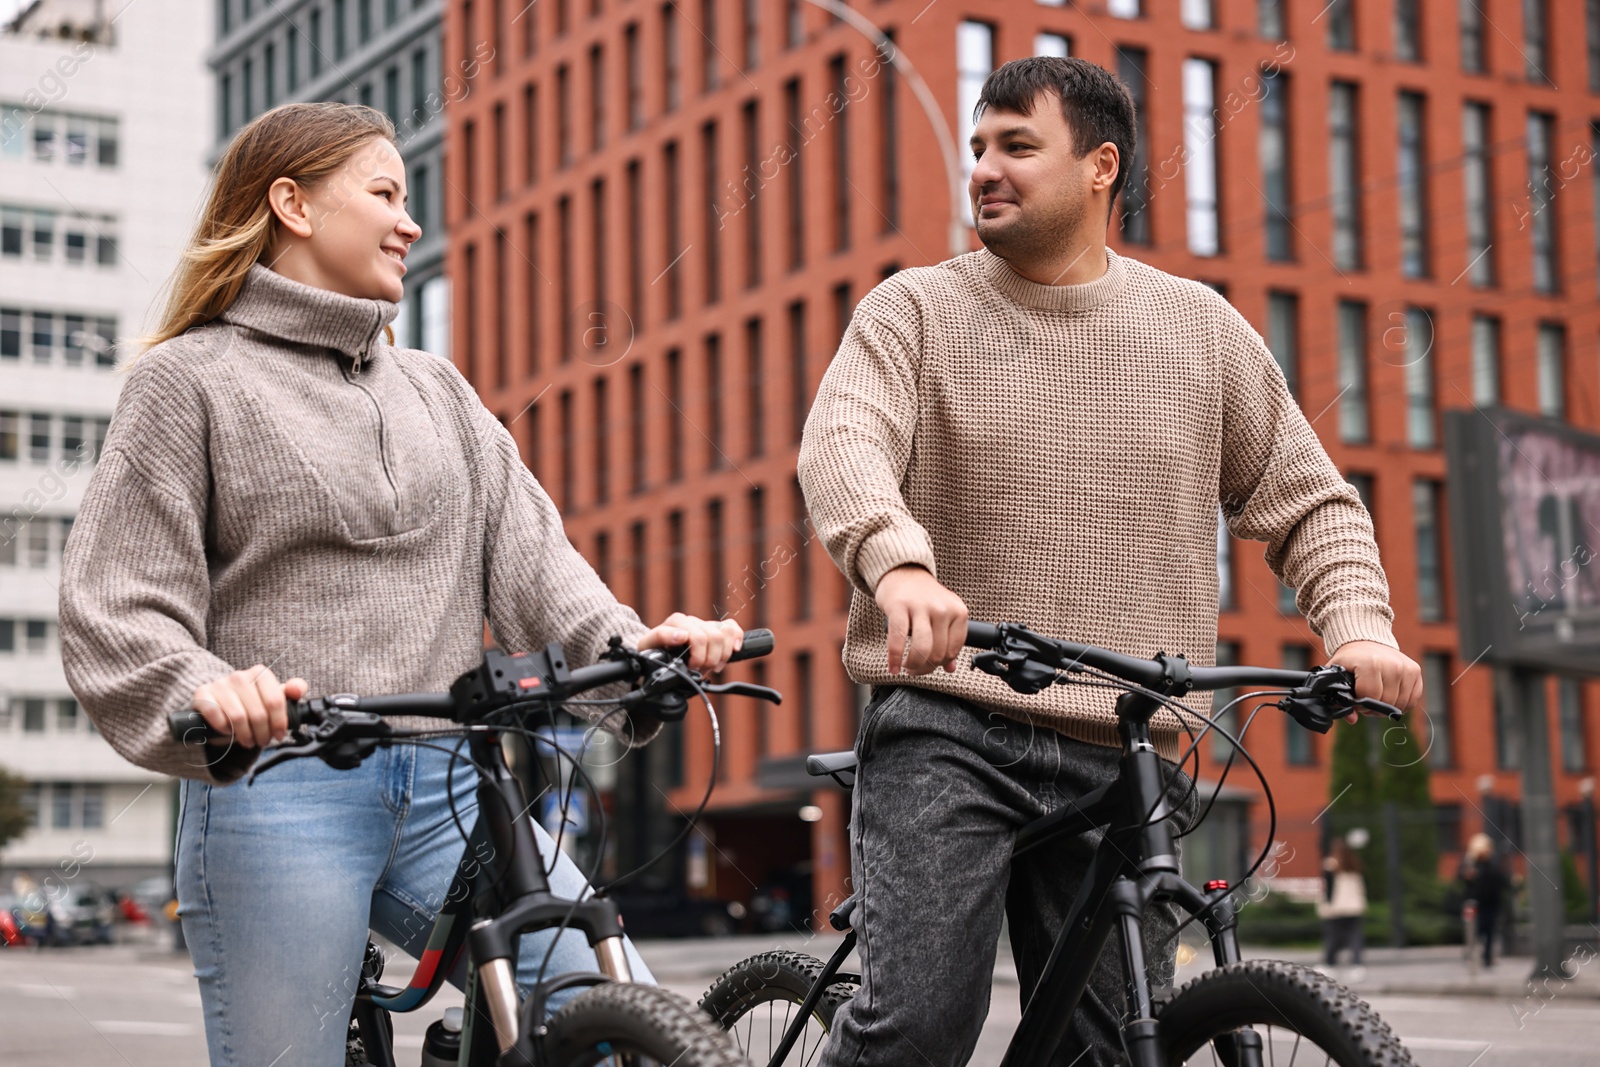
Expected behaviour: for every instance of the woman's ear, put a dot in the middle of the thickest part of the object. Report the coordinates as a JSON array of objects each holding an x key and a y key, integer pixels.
[{"x": 288, "y": 202}]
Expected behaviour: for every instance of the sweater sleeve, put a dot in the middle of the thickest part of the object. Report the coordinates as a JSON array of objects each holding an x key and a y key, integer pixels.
[
  {"x": 1279, "y": 486},
  {"x": 135, "y": 589},
  {"x": 857, "y": 443},
  {"x": 537, "y": 587}
]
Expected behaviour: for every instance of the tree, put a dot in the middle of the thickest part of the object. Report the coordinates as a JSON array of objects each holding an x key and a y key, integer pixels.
[
  {"x": 1376, "y": 762},
  {"x": 14, "y": 815}
]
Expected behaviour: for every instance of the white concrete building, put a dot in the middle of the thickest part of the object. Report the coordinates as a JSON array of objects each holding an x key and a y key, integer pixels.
[{"x": 106, "y": 119}]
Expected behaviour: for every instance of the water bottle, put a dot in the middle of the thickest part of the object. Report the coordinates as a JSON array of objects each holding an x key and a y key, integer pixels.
[{"x": 441, "y": 1045}]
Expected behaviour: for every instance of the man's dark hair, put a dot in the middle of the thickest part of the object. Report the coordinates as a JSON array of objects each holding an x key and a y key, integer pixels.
[{"x": 1097, "y": 107}]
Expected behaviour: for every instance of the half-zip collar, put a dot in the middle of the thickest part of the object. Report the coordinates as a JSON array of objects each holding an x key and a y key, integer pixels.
[{"x": 281, "y": 307}]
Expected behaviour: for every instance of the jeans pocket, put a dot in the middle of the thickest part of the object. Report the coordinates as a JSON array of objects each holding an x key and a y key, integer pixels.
[{"x": 872, "y": 718}]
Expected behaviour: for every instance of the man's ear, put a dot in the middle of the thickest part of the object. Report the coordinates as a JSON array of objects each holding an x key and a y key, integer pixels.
[
  {"x": 288, "y": 202},
  {"x": 1107, "y": 165}
]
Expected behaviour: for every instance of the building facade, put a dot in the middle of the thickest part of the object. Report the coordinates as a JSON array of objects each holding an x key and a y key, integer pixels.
[
  {"x": 102, "y": 143},
  {"x": 384, "y": 55},
  {"x": 662, "y": 216}
]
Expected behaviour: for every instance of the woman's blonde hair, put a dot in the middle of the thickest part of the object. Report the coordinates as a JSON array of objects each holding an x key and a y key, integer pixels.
[{"x": 306, "y": 142}]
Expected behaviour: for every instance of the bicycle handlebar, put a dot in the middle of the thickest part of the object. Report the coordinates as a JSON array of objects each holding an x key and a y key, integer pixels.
[{"x": 190, "y": 727}]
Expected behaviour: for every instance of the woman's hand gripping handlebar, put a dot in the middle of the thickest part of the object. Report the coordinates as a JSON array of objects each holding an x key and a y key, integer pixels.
[{"x": 662, "y": 684}]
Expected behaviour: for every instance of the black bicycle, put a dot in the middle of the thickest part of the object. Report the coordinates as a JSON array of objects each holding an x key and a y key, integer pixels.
[
  {"x": 1244, "y": 1013},
  {"x": 500, "y": 890}
]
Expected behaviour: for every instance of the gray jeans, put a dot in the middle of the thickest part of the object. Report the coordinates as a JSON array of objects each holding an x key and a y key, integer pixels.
[{"x": 942, "y": 788}]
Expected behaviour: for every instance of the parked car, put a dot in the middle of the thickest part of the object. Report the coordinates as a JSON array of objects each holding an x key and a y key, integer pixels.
[{"x": 87, "y": 914}]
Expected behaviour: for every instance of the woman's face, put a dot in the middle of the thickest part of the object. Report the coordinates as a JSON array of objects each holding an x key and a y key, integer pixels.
[{"x": 350, "y": 232}]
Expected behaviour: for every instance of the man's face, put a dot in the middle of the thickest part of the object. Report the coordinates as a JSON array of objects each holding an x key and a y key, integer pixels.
[{"x": 1029, "y": 189}]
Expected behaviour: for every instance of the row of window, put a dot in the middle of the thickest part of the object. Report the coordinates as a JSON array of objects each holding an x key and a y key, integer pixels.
[
  {"x": 41, "y": 235},
  {"x": 34, "y": 543},
  {"x": 65, "y": 805},
  {"x": 1409, "y": 22},
  {"x": 61, "y": 338},
  {"x": 38, "y": 715},
  {"x": 31, "y": 637},
  {"x": 46, "y": 438},
  {"x": 58, "y": 137},
  {"x": 1202, "y": 121}
]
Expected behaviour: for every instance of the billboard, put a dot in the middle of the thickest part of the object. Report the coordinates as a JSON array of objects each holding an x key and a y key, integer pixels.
[{"x": 1525, "y": 524}]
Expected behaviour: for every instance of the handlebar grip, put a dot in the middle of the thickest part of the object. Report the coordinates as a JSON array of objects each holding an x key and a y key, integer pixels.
[
  {"x": 190, "y": 727},
  {"x": 756, "y": 643},
  {"x": 982, "y": 634}
]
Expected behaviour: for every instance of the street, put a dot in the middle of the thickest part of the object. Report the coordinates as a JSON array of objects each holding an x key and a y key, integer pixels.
[{"x": 138, "y": 1005}]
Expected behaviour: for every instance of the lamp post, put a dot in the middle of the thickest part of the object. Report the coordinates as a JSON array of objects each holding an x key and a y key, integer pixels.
[{"x": 957, "y": 231}]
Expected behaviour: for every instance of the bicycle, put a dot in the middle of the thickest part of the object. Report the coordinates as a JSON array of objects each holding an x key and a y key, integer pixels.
[
  {"x": 1134, "y": 865},
  {"x": 491, "y": 903}
]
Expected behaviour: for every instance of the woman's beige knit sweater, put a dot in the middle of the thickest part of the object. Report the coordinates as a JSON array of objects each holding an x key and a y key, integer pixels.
[
  {"x": 281, "y": 487},
  {"x": 1056, "y": 455}
]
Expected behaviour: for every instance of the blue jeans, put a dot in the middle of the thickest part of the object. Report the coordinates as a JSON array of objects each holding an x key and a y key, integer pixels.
[{"x": 279, "y": 882}]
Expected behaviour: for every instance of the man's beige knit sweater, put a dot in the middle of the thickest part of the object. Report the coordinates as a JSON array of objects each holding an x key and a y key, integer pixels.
[
  {"x": 1056, "y": 456},
  {"x": 281, "y": 487}
]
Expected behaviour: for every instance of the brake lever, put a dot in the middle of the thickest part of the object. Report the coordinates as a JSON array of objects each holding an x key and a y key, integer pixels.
[
  {"x": 1378, "y": 707},
  {"x": 282, "y": 754},
  {"x": 336, "y": 740},
  {"x": 746, "y": 689}
]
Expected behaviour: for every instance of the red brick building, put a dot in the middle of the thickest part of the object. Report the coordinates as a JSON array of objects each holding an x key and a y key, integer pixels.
[{"x": 661, "y": 216}]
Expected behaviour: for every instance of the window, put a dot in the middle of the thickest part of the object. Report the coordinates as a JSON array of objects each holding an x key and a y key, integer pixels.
[
  {"x": 799, "y": 379},
  {"x": 634, "y": 58},
  {"x": 1552, "y": 370},
  {"x": 1436, "y": 685},
  {"x": 499, "y": 149},
  {"x": 269, "y": 76},
  {"x": 974, "y": 63},
  {"x": 569, "y": 446},
  {"x": 1408, "y": 30},
  {"x": 710, "y": 75},
  {"x": 755, "y": 583},
  {"x": 752, "y": 34},
  {"x": 1420, "y": 420},
  {"x": 1541, "y": 201},
  {"x": 801, "y": 527},
  {"x": 1269, "y": 19},
  {"x": 563, "y": 117},
  {"x": 1274, "y": 151},
  {"x": 717, "y": 457},
  {"x": 1574, "y": 736},
  {"x": 1131, "y": 65},
  {"x": 60, "y": 805},
  {"x": 1430, "y": 564},
  {"x": 1471, "y": 17},
  {"x": 802, "y": 690},
  {"x": 36, "y": 632},
  {"x": 1413, "y": 171},
  {"x": 1353, "y": 423},
  {"x": 1344, "y": 176},
  {"x": 889, "y": 142},
  {"x": 1200, "y": 155},
  {"x": 8, "y": 632},
  {"x": 1222, "y": 747},
  {"x": 1283, "y": 334},
  {"x": 1485, "y": 360},
  {"x": 597, "y": 99},
  {"x": 669, "y": 161},
  {"x": 754, "y": 384},
  {"x": 1341, "y": 25},
  {"x": 1507, "y": 731},
  {"x": 713, "y": 222},
  {"x": 602, "y": 441},
  {"x": 675, "y": 422},
  {"x": 717, "y": 575},
  {"x": 9, "y": 422},
  {"x": 1122, "y": 9},
  {"x": 639, "y": 545},
  {"x": 672, "y": 85},
  {"x": 1301, "y": 749},
  {"x": 1480, "y": 209},
  {"x": 66, "y": 715},
  {"x": 39, "y": 437},
  {"x": 1195, "y": 14},
  {"x": 73, "y": 232},
  {"x": 638, "y": 447},
  {"x": 750, "y": 181},
  {"x": 291, "y": 55},
  {"x": 1052, "y": 44},
  {"x": 841, "y": 156},
  {"x": 793, "y": 22},
  {"x": 635, "y": 241},
  {"x": 1535, "y": 31},
  {"x": 796, "y": 169}
]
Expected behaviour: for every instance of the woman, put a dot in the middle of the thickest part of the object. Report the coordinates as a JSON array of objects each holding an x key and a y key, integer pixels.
[
  {"x": 1485, "y": 886},
  {"x": 283, "y": 493},
  {"x": 1343, "y": 907}
]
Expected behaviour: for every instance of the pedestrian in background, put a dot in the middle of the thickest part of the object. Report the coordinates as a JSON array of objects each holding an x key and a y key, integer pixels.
[
  {"x": 1485, "y": 886},
  {"x": 1343, "y": 907}
]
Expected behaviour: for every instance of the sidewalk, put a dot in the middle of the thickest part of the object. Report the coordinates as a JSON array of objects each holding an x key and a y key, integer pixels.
[{"x": 1435, "y": 971}]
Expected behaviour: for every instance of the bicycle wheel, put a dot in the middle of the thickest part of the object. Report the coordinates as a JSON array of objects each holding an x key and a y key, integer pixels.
[
  {"x": 619, "y": 1023},
  {"x": 755, "y": 1000},
  {"x": 1299, "y": 1015}
]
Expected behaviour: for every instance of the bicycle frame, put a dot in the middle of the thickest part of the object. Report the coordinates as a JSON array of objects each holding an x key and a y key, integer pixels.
[
  {"x": 509, "y": 895},
  {"x": 1134, "y": 865}
]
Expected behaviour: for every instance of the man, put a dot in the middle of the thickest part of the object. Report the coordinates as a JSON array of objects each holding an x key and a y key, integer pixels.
[{"x": 1043, "y": 431}]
